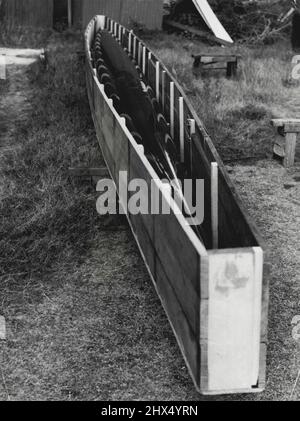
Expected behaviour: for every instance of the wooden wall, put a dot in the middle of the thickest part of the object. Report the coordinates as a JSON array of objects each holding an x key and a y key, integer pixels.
[
  {"x": 145, "y": 12},
  {"x": 36, "y": 13}
]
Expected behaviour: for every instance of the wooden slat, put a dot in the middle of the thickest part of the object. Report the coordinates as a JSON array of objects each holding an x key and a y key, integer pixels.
[
  {"x": 215, "y": 58},
  {"x": 215, "y": 205},
  {"x": 143, "y": 225},
  {"x": 172, "y": 109},
  {"x": 107, "y": 149},
  {"x": 181, "y": 265},
  {"x": 290, "y": 149},
  {"x": 188, "y": 342},
  {"x": 151, "y": 73},
  {"x": 115, "y": 145},
  {"x": 283, "y": 122}
]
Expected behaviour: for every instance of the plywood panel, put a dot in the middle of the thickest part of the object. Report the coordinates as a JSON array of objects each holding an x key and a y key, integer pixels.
[
  {"x": 188, "y": 341},
  {"x": 181, "y": 265},
  {"x": 233, "y": 343}
]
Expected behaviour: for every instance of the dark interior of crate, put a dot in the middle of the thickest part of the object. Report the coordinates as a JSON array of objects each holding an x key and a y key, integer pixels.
[{"x": 235, "y": 229}]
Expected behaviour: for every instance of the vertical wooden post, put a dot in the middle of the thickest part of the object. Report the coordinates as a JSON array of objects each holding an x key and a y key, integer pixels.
[
  {"x": 134, "y": 47},
  {"x": 181, "y": 128},
  {"x": 139, "y": 60},
  {"x": 69, "y": 13},
  {"x": 172, "y": 105},
  {"x": 231, "y": 68},
  {"x": 157, "y": 80},
  {"x": 123, "y": 36},
  {"x": 130, "y": 42},
  {"x": 149, "y": 61},
  {"x": 215, "y": 205},
  {"x": 144, "y": 61},
  {"x": 290, "y": 149},
  {"x": 163, "y": 89},
  {"x": 192, "y": 125}
]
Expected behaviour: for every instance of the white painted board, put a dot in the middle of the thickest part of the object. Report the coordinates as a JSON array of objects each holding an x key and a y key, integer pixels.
[
  {"x": 212, "y": 21},
  {"x": 234, "y": 318}
]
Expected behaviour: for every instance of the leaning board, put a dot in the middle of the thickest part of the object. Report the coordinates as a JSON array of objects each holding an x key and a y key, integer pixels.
[
  {"x": 212, "y": 21},
  {"x": 215, "y": 300}
]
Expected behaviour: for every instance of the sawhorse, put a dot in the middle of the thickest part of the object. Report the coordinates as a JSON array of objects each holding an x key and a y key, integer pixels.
[{"x": 216, "y": 62}]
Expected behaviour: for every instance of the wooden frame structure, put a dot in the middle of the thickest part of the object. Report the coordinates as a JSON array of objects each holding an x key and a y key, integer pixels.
[
  {"x": 290, "y": 129},
  {"x": 214, "y": 293},
  {"x": 216, "y": 62}
]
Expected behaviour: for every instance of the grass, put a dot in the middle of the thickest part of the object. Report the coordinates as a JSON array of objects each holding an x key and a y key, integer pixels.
[
  {"x": 83, "y": 320},
  {"x": 236, "y": 113}
]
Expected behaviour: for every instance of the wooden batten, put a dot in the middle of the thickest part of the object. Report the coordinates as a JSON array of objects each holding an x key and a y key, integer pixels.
[{"x": 214, "y": 292}]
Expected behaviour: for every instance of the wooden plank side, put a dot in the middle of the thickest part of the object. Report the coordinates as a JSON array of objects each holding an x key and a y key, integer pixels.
[
  {"x": 201, "y": 171},
  {"x": 105, "y": 143},
  {"x": 182, "y": 308},
  {"x": 233, "y": 342},
  {"x": 188, "y": 341},
  {"x": 181, "y": 265},
  {"x": 115, "y": 148},
  {"x": 143, "y": 224},
  {"x": 174, "y": 251}
]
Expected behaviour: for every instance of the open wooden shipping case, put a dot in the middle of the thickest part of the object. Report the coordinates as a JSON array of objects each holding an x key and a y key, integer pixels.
[{"x": 216, "y": 300}]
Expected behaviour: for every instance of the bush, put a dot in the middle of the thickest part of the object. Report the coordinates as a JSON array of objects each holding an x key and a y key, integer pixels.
[{"x": 251, "y": 21}]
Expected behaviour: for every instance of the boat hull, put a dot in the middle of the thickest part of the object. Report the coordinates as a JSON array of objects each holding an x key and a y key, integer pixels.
[{"x": 216, "y": 300}]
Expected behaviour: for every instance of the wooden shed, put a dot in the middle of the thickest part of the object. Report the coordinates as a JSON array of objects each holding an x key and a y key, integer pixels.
[
  {"x": 28, "y": 13},
  {"x": 148, "y": 13}
]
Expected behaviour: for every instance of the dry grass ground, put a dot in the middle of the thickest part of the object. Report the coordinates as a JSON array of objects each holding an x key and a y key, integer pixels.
[{"x": 83, "y": 320}]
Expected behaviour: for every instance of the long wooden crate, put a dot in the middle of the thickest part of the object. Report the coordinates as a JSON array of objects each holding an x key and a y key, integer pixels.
[{"x": 216, "y": 299}]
